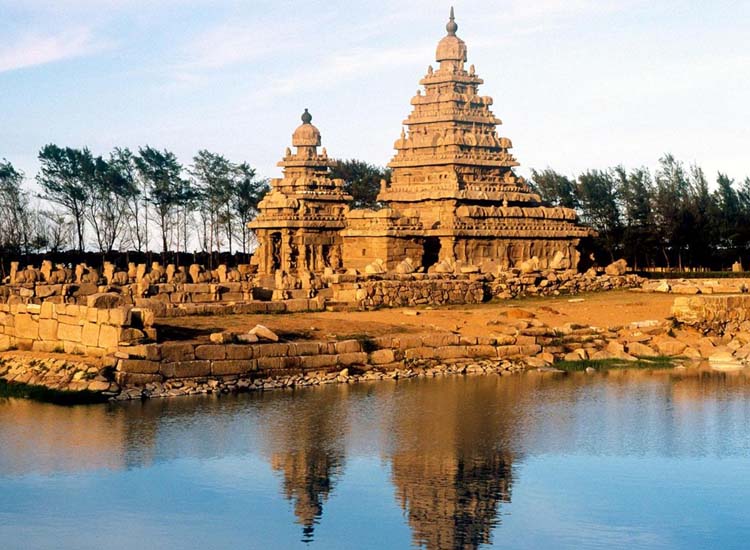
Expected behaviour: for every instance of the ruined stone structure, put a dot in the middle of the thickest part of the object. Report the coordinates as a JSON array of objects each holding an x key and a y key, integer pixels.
[
  {"x": 301, "y": 218},
  {"x": 454, "y": 199}
]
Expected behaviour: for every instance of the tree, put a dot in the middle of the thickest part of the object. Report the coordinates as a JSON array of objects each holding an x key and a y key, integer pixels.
[
  {"x": 554, "y": 188},
  {"x": 213, "y": 176},
  {"x": 122, "y": 162},
  {"x": 701, "y": 208},
  {"x": 14, "y": 209},
  {"x": 247, "y": 192},
  {"x": 361, "y": 181},
  {"x": 727, "y": 212},
  {"x": 599, "y": 208},
  {"x": 162, "y": 174},
  {"x": 65, "y": 176},
  {"x": 670, "y": 212},
  {"x": 110, "y": 189},
  {"x": 635, "y": 192}
]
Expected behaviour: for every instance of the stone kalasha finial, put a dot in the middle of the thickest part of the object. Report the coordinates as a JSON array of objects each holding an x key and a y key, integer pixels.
[
  {"x": 306, "y": 135},
  {"x": 452, "y": 26}
]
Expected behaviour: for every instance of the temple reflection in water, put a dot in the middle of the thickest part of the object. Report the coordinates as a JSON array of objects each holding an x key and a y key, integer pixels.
[{"x": 453, "y": 448}]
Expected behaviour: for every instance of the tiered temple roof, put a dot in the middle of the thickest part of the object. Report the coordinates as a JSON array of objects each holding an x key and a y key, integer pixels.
[
  {"x": 301, "y": 216},
  {"x": 453, "y": 179}
]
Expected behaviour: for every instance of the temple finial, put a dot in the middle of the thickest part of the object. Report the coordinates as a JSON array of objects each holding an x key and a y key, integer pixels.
[
  {"x": 306, "y": 117},
  {"x": 452, "y": 27}
]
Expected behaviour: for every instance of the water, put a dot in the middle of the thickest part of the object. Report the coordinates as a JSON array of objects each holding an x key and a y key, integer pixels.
[{"x": 625, "y": 459}]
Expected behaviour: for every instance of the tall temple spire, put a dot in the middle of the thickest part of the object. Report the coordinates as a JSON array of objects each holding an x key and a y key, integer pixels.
[{"x": 452, "y": 26}]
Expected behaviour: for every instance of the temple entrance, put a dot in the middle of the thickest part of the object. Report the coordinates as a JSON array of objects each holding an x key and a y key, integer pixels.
[{"x": 431, "y": 253}]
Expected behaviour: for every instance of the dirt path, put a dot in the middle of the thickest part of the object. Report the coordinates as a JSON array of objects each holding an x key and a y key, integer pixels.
[{"x": 599, "y": 309}]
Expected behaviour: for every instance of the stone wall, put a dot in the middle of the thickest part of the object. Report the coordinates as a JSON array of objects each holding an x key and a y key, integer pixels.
[
  {"x": 714, "y": 313},
  {"x": 70, "y": 328},
  {"x": 138, "y": 365},
  {"x": 171, "y": 293},
  {"x": 698, "y": 286},
  {"x": 516, "y": 342},
  {"x": 413, "y": 289}
]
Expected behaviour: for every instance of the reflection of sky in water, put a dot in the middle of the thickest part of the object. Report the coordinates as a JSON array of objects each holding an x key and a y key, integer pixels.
[{"x": 625, "y": 459}]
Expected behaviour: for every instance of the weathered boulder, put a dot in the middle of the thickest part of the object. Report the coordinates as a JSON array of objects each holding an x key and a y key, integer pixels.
[
  {"x": 617, "y": 268},
  {"x": 264, "y": 333},
  {"x": 640, "y": 350}
]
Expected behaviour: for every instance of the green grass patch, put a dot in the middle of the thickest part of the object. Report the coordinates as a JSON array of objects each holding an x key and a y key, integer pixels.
[
  {"x": 48, "y": 395},
  {"x": 660, "y": 362}
]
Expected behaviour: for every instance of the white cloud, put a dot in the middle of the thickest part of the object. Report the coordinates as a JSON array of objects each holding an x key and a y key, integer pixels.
[
  {"x": 34, "y": 48},
  {"x": 232, "y": 43}
]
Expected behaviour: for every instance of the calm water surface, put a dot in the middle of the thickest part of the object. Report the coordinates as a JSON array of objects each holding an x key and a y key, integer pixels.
[{"x": 625, "y": 459}]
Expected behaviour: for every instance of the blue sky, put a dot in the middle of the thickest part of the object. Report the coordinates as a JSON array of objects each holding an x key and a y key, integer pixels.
[{"x": 578, "y": 83}]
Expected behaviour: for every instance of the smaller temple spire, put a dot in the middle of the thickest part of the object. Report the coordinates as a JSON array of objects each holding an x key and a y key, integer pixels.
[
  {"x": 306, "y": 117},
  {"x": 452, "y": 26}
]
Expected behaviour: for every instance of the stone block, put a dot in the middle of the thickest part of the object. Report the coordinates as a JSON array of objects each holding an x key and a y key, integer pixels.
[
  {"x": 90, "y": 334},
  {"x": 353, "y": 358},
  {"x": 481, "y": 351},
  {"x": 47, "y": 311},
  {"x": 109, "y": 337},
  {"x": 185, "y": 369},
  {"x": 27, "y": 327},
  {"x": 119, "y": 316},
  {"x": 421, "y": 352},
  {"x": 440, "y": 340},
  {"x": 348, "y": 346},
  {"x": 210, "y": 352},
  {"x": 233, "y": 366},
  {"x": 382, "y": 356},
  {"x": 406, "y": 341},
  {"x": 451, "y": 352},
  {"x": 69, "y": 333},
  {"x": 173, "y": 352},
  {"x": 272, "y": 350},
  {"x": 143, "y": 351},
  {"x": 126, "y": 379},
  {"x": 239, "y": 351},
  {"x": 141, "y": 366},
  {"x": 48, "y": 329},
  {"x": 70, "y": 319},
  {"x": 318, "y": 361},
  {"x": 271, "y": 363},
  {"x": 307, "y": 348}
]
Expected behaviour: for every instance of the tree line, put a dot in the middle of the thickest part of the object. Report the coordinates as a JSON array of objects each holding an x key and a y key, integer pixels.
[
  {"x": 666, "y": 219},
  {"x": 113, "y": 202},
  {"x": 109, "y": 204}
]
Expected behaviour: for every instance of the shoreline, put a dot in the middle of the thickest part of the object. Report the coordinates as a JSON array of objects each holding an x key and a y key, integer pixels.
[{"x": 235, "y": 386}]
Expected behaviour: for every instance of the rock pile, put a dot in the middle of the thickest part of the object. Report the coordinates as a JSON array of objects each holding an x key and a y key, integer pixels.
[{"x": 58, "y": 374}]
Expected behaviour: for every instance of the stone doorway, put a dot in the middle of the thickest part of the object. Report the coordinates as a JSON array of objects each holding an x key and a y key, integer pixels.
[{"x": 431, "y": 253}]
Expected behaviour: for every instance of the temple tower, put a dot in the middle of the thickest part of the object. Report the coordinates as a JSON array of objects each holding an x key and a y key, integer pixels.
[
  {"x": 300, "y": 218},
  {"x": 454, "y": 199}
]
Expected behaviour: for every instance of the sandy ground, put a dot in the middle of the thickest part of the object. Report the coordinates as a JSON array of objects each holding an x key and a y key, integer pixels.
[{"x": 598, "y": 309}]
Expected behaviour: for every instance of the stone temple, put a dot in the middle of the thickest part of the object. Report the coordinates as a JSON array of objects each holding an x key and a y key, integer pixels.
[
  {"x": 454, "y": 203},
  {"x": 302, "y": 216}
]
